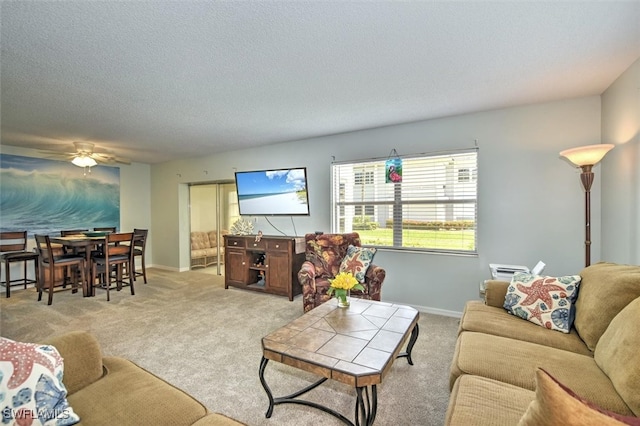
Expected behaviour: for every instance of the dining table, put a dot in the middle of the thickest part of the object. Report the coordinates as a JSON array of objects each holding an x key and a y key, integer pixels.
[{"x": 89, "y": 243}]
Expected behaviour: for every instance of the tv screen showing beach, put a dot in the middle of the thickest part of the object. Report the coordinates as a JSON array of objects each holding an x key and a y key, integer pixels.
[{"x": 273, "y": 192}]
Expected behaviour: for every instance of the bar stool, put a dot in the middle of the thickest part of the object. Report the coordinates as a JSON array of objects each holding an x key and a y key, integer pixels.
[
  {"x": 139, "y": 248},
  {"x": 13, "y": 246},
  {"x": 117, "y": 257},
  {"x": 52, "y": 261},
  {"x": 106, "y": 229},
  {"x": 75, "y": 251}
]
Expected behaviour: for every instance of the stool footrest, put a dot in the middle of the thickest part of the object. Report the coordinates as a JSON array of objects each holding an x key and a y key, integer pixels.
[{"x": 18, "y": 281}]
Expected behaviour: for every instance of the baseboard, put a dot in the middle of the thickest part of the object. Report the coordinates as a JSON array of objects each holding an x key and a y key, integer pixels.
[
  {"x": 168, "y": 268},
  {"x": 425, "y": 309},
  {"x": 435, "y": 311}
]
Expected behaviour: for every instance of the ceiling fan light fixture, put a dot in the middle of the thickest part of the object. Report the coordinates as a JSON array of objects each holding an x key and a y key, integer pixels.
[{"x": 84, "y": 161}]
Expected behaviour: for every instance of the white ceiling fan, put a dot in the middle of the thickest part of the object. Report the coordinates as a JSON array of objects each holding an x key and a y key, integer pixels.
[{"x": 86, "y": 156}]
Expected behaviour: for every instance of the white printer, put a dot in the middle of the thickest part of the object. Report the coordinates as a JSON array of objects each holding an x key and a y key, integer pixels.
[{"x": 505, "y": 272}]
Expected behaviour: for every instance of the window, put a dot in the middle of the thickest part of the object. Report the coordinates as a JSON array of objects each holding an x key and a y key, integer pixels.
[
  {"x": 364, "y": 210},
  {"x": 363, "y": 177},
  {"x": 465, "y": 175},
  {"x": 434, "y": 208}
]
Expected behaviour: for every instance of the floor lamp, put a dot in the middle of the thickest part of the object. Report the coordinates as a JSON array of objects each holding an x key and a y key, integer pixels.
[{"x": 585, "y": 157}]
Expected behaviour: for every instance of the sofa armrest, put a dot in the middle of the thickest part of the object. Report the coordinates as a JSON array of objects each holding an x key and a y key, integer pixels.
[
  {"x": 495, "y": 293},
  {"x": 82, "y": 359},
  {"x": 307, "y": 275}
]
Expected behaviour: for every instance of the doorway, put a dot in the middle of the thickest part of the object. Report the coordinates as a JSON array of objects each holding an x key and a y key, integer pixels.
[{"x": 213, "y": 207}]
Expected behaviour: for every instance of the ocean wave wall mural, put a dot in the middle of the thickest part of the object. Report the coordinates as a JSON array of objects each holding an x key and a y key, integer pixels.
[{"x": 46, "y": 196}]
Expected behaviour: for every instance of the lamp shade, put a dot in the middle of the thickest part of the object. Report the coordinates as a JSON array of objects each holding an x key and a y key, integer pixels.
[
  {"x": 84, "y": 161},
  {"x": 588, "y": 155}
]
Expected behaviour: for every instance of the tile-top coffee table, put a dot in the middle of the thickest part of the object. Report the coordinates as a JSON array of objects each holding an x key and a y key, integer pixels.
[{"x": 355, "y": 345}]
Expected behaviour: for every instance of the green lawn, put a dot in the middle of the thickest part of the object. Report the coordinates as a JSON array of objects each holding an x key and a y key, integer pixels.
[{"x": 445, "y": 240}]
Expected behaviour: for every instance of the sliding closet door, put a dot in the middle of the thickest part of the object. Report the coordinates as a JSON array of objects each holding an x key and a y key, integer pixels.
[{"x": 213, "y": 208}]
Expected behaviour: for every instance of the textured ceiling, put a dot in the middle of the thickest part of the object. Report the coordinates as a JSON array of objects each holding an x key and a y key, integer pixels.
[{"x": 154, "y": 81}]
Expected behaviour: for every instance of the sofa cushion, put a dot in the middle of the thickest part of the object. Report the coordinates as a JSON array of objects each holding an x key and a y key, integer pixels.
[
  {"x": 516, "y": 362},
  {"x": 82, "y": 356},
  {"x": 617, "y": 354},
  {"x": 556, "y": 404},
  {"x": 496, "y": 321},
  {"x": 200, "y": 240},
  {"x": 213, "y": 238},
  {"x": 605, "y": 289},
  {"x": 204, "y": 252},
  {"x": 31, "y": 388},
  {"x": 130, "y": 395},
  {"x": 542, "y": 300},
  {"x": 357, "y": 261},
  {"x": 480, "y": 401}
]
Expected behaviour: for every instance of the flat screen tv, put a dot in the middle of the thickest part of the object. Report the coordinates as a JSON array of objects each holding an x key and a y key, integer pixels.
[{"x": 273, "y": 192}]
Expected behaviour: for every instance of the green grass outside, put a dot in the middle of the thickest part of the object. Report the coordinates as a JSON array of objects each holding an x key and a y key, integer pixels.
[{"x": 443, "y": 240}]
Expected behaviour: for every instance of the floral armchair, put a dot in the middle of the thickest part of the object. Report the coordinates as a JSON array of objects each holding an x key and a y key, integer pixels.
[{"x": 324, "y": 254}]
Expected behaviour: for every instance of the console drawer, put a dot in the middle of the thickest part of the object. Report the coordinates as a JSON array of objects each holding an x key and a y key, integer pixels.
[
  {"x": 277, "y": 245},
  {"x": 236, "y": 242},
  {"x": 256, "y": 245}
]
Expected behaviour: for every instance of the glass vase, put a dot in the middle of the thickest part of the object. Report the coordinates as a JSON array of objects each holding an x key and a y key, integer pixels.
[{"x": 343, "y": 299}]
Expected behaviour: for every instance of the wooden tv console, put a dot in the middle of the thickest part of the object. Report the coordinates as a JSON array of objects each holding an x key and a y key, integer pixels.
[{"x": 269, "y": 265}]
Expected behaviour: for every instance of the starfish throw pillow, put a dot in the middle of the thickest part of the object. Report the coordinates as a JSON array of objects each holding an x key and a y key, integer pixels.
[
  {"x": 31, "y": 388},
  {"x": 357, "y": 261},
  {"x": 545, "y": 301}
]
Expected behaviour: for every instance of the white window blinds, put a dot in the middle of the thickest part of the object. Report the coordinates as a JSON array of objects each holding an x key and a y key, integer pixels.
[{"x": 433, "y": 208}]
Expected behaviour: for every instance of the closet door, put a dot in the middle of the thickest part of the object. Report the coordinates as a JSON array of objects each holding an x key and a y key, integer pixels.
[{"x": 213, "y": 208}]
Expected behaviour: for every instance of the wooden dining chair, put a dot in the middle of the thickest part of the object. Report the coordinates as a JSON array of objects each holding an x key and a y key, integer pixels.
[
  {"x": 76, "y": 251},
  {"x": 116, "y": 258},
  {"x": 13, "y": 249},
  {"x": 106, "y": 229},
  {"x": 139, "y": 247},
  {"x": 111, "y": 229},
  {"x": 52, "y": 261},
  {"x": 67, "y": 232}
]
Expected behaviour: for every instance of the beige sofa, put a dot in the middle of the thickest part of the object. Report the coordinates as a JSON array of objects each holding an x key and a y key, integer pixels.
[
  {"x": 498, "y": 356},
  {"x": 115, "y": 391},
  {"x": 204, "y": 248}
]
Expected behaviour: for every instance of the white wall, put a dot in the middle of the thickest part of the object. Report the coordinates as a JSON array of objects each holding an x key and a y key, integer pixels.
[
  {"x": 620, "y": 171},
  {"x": 135, "y": 203},
  {"x": 531, "y": 203},
  {"x": 202, "y": 201}
]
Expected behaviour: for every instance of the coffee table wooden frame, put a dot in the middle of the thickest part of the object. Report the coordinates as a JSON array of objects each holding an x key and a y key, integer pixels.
[{"x": 355, "y": 345}]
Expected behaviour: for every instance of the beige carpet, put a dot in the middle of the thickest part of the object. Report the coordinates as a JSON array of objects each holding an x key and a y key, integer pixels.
[{"x": 186, "y": 328}]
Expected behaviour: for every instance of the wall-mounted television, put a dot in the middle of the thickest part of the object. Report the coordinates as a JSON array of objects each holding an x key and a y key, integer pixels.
[{"x": 273, "y": 192}]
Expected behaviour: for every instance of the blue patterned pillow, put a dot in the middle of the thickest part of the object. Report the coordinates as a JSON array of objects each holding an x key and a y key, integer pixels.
[
  {"x": 31, "y": 388},
  {"x": 357, "y": 261},
  {"x": 545, "y": 301}
]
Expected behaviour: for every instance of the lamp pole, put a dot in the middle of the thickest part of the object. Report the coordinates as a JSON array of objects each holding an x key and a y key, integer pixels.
[{"x": 587, "y": 180}]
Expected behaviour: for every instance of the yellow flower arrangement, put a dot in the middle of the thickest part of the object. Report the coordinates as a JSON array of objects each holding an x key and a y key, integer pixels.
[{"x": 341, "y": 285}]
